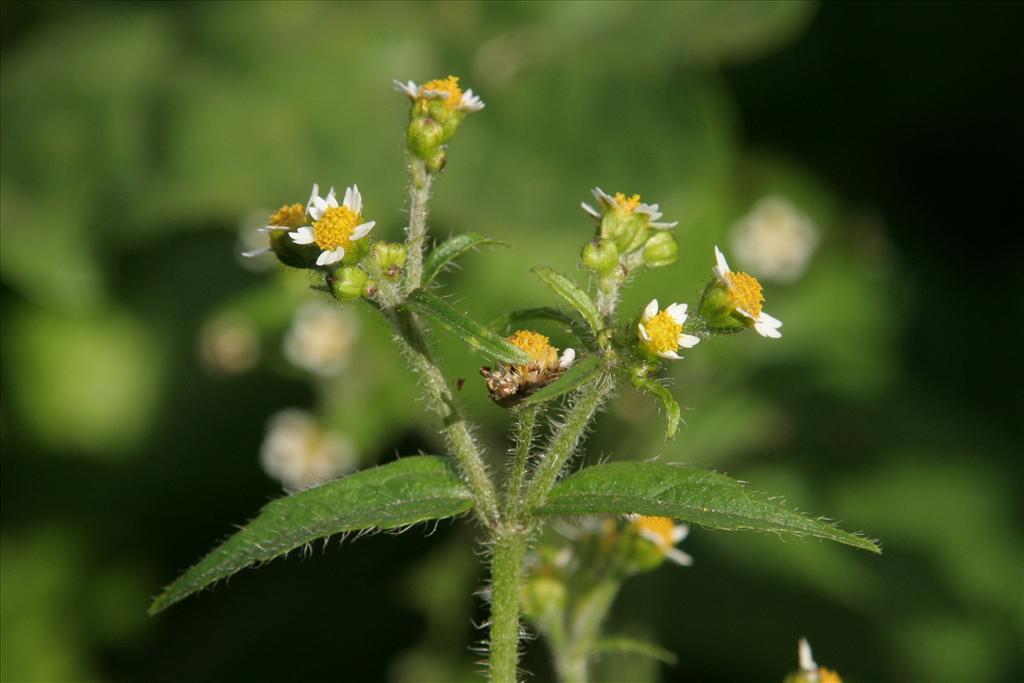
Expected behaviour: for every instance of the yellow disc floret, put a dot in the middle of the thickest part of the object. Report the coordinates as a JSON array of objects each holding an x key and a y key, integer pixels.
[
  {"x": 828, "y": 676},
  {"x": 289, "y": 216},
  {"x": 664, "y": 333},
  {"x": 537, "y": 346},
  {"x": 661, "y": 528},
  {"x": 625, "y": 205},
  {"x": 745, "y": 292},
  {"x": 448, "y": 85},
  {"x": 334, "y": 229}
]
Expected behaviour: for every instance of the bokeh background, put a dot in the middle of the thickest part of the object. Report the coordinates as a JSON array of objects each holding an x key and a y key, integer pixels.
[{"x": 860, "y": 158}]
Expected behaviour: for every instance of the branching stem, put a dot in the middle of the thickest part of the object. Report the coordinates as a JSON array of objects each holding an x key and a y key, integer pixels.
[{"x": 525, "y": 420}]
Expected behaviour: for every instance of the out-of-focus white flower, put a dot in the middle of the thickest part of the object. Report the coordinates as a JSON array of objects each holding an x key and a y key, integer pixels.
[
  {"x": 775, "y": 240},
  {"x": 334, "y": 227},
  {"x": 321, "y": 338},
  {"x": 228, "y": 344},
  {"x": 446, "y": 89},
  {"x": 299, "y": 453},
  {"x": 662, "y": 332},
  {"x": 664, "y": 533},
  {"x": 746, "y": 297}
]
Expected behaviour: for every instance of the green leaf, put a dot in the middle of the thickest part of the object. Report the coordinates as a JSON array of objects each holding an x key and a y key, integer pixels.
[
  {"x": 583, "y": 371},
  {"x": 449, "y": 250},
  {"x": 706, "y": 498},
  {"x": 667, "y": 401},
  {"x": 470, "y": 331},
  {"x": 631, "y": 646},
  {"x": 575, "y": 296},
  {"x": 407, "y": 491},
  {"x": 505, "y": 322}
]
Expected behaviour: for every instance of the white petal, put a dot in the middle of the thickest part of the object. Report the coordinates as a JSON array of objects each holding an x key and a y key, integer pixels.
[
  {"x": 354, "y": 200},
  {"x": 679, "y": 557},
  {"x": 807, "y": 663},
  {"x": 671, "y": 355},
  {"x": 590, "y": 210},
  {"x": 603, "y": 197},
  {"x": 332, "y": 199},
  {"x": 721, "y": 267},
  {"x": 643, "y": 332},
  {"x": 767, "y": 330},
  {"x": 268, "y": 228},
  {"x": 680, "y": 531},
  {"x": 687, "y": 341},
  {"x": 313, "y": 195},
  {"x": 652, "y": 536},
  {"x": 677, "y": 312},
  {"x": 745, "y": 313},
  {"x": 769, "y": 320},
  {"x": 651, "y": 310},
  {"x": 568, "y": 356},
  {"x": 650, "y": 210},
  {"x": 329, "y": 257},
  {"x": 362, "y": 230},
  {"x": 255, "y": 252},
  {"x": 470, "y": 102},
  {"x": 303, "y": 235},
  {"x": 663, "y": 226},
  {"x": 409, "y": 88}
]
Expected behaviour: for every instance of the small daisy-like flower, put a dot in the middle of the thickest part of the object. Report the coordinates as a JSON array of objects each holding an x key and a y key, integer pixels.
[
  {"x": 664, "y": 533},
  {"x": 334, "y": 227},
  {"x": 288, "y": 217},
  {"x": 624, "y": 206},
  {"x": 775, "y": 240},
  {"x": 662, "y": 331},
  {"x": 746, "y": 297},
  {"x": 299, "y": 453},
  {"x": 809, "y": 669},
  {"x": 511, "y": 383},
  {"x": 446, "y": 89}
]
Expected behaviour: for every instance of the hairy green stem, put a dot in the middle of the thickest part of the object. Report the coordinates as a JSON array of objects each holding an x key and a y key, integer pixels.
[
  {"x": 419, "y": 197},
  {"x": 607, "y": 297},
  {"x": 454, "y": 428},
  {"x": 586, "y": 402},
  {"x": 507, "y": 550},
  {"x": 525, "y": 420}
]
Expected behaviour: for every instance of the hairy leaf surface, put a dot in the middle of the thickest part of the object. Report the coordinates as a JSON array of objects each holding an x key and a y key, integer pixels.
[
  {"x": 573, "y": 295},
  {"x": 581, "y": 372},
  {"x": 479, "y": 338},
  {"x": 407, "y": 491},
  {"x": 449, "y": 250},
  {"x": 668, "y": 402},
  {"x": 699, "y": 496}
]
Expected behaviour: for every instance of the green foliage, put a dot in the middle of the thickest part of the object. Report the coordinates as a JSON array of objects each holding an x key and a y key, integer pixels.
[
  {"x": 632, "y": 646},
  {"x": 446, "y": 252},
  {"x": 507, "y": 322},
  {"x": 582, "y": 372},
  {"x": 706, "y": 498},
  {"x": 572, "y": 294},
  {"x": 468, "y": 330},
  {"x": 668, "y": 402},
  {"x": 407, "y": 491}
]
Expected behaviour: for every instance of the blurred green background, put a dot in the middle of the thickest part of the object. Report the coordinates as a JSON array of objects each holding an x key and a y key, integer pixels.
[{"x": 142, "y": 360}]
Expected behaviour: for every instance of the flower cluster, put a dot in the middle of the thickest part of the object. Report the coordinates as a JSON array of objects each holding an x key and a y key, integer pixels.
[
  {"x": 509, "y": 384},
  {"x": 733, "y": 301},
  {"x": 437, "y": 111},
  {"x": 630, "y": 234}
]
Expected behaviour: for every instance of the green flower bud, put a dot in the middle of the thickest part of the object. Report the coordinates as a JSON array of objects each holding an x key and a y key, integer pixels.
[
  {"x": 347, "y": 283},
  {"x": 661, "y": 249},
  {"x": 719, "y": 312},
  {"x": 600, "y": 256},
  {"x": 389, "y": 257},
  {"x": 436, "y": 163},
  {"x": 628, "y": 232},
  {"x": 425, "y": 135}
]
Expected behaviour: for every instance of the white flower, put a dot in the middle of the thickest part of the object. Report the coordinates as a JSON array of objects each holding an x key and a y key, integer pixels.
[
  {"x": 321, "y": 338},
  {"x": 334, "y": 227},
  {"x": 288, "y": 217},
  {"x": 299, "y": 453},
  {"x": 664, "y": 533},
  {"x": 229, "y": 344},
  {"x": 746, "y": 297},
  {"x": 662, "y": 332},
  {"x": 446, "y": 89},
  {"x": 624, "y": 206},
  {"x": 775, "y": 239}
]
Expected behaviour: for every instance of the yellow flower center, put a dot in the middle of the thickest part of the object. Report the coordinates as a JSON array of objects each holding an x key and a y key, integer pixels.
[
  {"x": 334, "y": 229},
  {"x": 745, "y": 292},
  {"x": 289, "y": 216},
  {"x": 448, "y": 85},
  {"x": 537, "y": 346},
  {"x": 625, "y": 205},
  {"x": 664, "y": 333},
  {"x": 659, "y": 527},
  {"x": 828, "y": 676}
]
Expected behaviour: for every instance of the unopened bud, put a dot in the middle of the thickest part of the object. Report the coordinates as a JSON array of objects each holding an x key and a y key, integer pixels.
[
  {"x": 600, "y": 256},
  {"x": 629, "y": 232},
  {"x": 436, "y": 163},
  {"x": 425, "y": 136},
  {"x": 660, "y": 250},
  {"x": 390, "y": 257},
  {"x": 348, "y": 283}
]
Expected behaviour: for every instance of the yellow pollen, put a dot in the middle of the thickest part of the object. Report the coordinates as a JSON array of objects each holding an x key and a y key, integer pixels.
[
  {"x": 662, "y": 527},
  {"x": 745, "y": 293},
  {"x": 536, "y": 345},
  {"x": 624, "y": 204},
  {"x": 449, "y": 85},
  {"x": 334, "y": 229},
  {"x": 289, "y": 216},
  {"x": 664, "y": 333},
  {"x": 828, "y": 676}
]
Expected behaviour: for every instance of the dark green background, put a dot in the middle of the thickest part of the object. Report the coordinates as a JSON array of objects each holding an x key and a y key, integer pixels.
[{"x": 137, "y": 138}]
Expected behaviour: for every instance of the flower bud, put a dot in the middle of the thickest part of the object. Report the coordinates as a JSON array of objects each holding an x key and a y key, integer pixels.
[
  {"x": 436, "y": 163},
  {"x": 600, "y": 256},
  {"x": 628, "y": 232},
  {"x": 425, "y": 136},
  {"x": 660, "y": 250},
  {"x": 348, "y": 283},
  {"x": 389, "y": 257}
]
